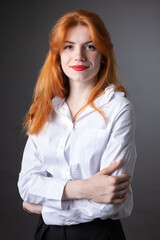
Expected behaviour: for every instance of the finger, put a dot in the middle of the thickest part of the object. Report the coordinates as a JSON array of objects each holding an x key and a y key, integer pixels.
[
  {"x": 122, "y": 186},
  {"x": 25, "y": 206},
  {"x": 123, "y": 178},
  {"x": 26, "y": 210},
  {"x": 119, "y": 200},
  {"x": 32, "y": 208},
  {"x": 111, "y": 168},
  {"x": 121, "y": 194}
]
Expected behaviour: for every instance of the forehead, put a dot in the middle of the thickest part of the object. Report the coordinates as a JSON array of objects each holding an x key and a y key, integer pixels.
[{"x": 79, "y": 33}]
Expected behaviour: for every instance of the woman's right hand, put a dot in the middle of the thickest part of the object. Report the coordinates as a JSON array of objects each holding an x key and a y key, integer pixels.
[
  {"x": 104, "y": 188},
  {"x": 32, "y": 208}
]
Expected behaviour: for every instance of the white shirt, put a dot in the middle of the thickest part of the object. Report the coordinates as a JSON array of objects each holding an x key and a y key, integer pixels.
[{"x": 61, "y": 152}]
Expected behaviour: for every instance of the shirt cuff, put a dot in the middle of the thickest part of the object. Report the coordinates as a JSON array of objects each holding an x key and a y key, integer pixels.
[
  {"x": 57, "y": 188},
  {"x": 55, "y": 204}
]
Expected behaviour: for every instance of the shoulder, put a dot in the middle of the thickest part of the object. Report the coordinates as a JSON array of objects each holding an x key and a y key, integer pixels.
[
  {"x": 122, "y": 106},
  {"x": 117, "y": 106},
  {"x": 115, "y": 100},
  {"x": 119, "y": 101}
]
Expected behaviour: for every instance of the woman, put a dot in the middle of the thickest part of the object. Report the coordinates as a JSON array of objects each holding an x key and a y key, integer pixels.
[{"x": 80, "y": 152}]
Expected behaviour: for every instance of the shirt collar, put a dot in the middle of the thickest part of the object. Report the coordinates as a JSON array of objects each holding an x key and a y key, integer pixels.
[
  {"x": 105, "y": 97},
  {"x": 57, "y": 102},
  {"x": 101, "y": 100}
]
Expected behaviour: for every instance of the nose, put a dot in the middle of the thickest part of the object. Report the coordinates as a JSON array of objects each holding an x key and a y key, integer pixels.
[{"x": 80, "y": 54}]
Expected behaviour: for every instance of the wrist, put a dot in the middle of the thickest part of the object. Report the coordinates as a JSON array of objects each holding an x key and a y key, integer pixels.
[
  {"x": 75, "y": 189},
  {"x": 84, "y": 189}
]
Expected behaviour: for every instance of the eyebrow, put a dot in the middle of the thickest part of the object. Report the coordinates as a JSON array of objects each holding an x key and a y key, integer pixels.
[{"x": 74, "y": 42}]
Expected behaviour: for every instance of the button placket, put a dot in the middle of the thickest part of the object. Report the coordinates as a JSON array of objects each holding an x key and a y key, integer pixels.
[
  {"x": 64, "y": 111},
  {"x": 61, "y": 156}
]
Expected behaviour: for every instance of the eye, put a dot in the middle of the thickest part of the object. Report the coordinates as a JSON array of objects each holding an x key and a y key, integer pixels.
[
  {"x": 68, "y": 47},
  {"x": 90, "y": 47}
]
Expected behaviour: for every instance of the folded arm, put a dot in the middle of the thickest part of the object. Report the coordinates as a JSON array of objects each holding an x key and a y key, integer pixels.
[
  {"x": 101, "y": 188},
  {"x": 105, "y": 193}
]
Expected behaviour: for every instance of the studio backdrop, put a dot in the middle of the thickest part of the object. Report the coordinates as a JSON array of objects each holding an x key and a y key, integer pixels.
[{"x": 135, "y": 33}]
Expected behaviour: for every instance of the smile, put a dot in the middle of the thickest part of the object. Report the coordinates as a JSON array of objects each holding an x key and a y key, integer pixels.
[{"x": 79, "y": 67}]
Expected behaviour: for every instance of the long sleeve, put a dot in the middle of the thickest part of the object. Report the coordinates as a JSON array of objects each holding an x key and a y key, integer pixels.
[
  {"x": 63, "y": 151},
  {"x": 120, "y": 146},
  {"x": 35, "y": 184}
]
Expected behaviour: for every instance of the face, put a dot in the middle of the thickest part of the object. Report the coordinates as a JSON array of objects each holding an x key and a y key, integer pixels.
[{"x": 80, "y": 60}]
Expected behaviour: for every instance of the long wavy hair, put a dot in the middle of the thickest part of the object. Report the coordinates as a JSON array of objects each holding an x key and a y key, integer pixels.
[{"x": 52, "y": 80}]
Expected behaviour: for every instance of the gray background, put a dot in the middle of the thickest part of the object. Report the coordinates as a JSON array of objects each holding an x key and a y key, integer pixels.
[{"x": 135, "y": 31}]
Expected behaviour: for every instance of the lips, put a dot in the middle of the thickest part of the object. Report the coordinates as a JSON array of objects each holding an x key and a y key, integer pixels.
[{"x": 79, "y": 67}]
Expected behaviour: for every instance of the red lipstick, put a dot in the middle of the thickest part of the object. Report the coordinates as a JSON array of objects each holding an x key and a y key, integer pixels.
[{"x": 79, "y": 67}]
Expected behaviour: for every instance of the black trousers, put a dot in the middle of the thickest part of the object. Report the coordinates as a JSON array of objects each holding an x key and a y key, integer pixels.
[{"x": 96, "y": 230}]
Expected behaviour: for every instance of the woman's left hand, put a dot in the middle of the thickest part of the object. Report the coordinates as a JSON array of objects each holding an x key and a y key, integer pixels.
[{"x": 32, "y": 208}]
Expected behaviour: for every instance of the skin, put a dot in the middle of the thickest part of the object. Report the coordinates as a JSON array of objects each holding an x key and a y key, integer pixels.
[{"x": 78, "y": 49}]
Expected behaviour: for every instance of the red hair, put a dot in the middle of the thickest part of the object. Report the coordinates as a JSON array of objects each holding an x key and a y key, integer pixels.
[{"x": 53, "y": 82}]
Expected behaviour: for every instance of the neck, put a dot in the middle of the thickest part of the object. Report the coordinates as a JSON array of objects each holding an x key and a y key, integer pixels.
[
  {"x": 78, "y": 96},
  {"x": 79, "y": 93}
]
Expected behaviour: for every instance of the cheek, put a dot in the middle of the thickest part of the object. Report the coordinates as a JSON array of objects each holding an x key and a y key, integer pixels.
[
  {"x": 95, "y": 58},
  {"x": 63, "y": 60},
  {"x": 97, "y": 62}
]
